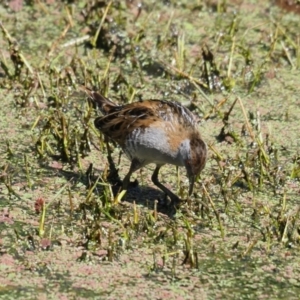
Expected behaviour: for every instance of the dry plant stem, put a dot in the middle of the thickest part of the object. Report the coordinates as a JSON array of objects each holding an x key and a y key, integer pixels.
[
  {"x": 70, "y": 200},
  {"x": 69, "y": 15},
  {"x": 253, "y": 27},
  {"x": 132, "y": 95},
  {"x": 45, "y": 207},
  {"x": 42, "y": 7},
  {"x": 215, "y": 151},
  {"x": 197, "y": 83},
  {"x": 113, "y": 219},
  {"x": 27, "y": 171},
  {"x": 76, "y": 42},
  {"x": 274, "y": 41},
  {"x": 183, "y": 74},
  {"x": 198, "y": 87},
  {"x": 11, "y": 41},
  {"x": 92, "y": 189},
  {"x": 287, "y": 54},
  {"x": 298, "y": 53},
  {"x": 226, "y": 116},
  {"x": 215, "y": 211},
  {"x": 168, "y": 26},
  {"x": 119, "y": 196},
  {"x": 282, "y": 31},
  {"x": 179, "y": 55},
  {"x": 55, "y": 44},
  {"x": 249, "y": 249},
  {"x": 42, "y": 221},
  {"x": 108, "y": 63},
  {"x": 135, "y": 214},
  {"x": 41, "y": 86},
  {"x": 246, "y": 120},
  {"x": 214, "y": 108},
  {"x": 7, "y": 182},
  {"x": 231, "y": 57},
  {"x": 3, "y": 65},
  {"x": 284, "y": 234},
  {"x": 94, "y": 41}
]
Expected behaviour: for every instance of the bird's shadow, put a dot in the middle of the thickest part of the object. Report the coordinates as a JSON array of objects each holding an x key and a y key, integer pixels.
[{"x": 138, "y": 194}]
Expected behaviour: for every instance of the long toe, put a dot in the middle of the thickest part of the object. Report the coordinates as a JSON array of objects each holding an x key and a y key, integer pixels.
[
  {"x": 175, "y": 202},
  {"x": 171, "y": 200}
]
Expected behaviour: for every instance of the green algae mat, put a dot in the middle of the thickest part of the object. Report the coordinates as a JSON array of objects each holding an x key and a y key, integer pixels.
[{"x": 66, "y": 230}]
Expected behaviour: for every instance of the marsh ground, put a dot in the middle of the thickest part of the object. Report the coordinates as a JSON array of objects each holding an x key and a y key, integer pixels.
[{"x": 63, "y": 232}]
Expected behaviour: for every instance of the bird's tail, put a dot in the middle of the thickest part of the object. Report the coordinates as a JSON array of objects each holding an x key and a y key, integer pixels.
[{"x": 104, "y": 104}]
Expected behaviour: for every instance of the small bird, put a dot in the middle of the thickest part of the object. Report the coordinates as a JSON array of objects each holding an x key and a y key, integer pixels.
[{"x": 153, "y": 131}]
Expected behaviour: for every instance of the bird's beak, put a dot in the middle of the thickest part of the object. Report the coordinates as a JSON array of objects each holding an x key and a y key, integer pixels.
[{"x": 192, "y": 181}]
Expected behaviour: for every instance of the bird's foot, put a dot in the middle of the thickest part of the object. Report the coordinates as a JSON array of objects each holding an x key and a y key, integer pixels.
[{"x": 172, "y": 201}]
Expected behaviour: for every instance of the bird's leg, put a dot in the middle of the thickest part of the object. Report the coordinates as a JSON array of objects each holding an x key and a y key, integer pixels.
[
  {"x": 113, "y": 176},
  {"x": 135, "y": 165},
  {"x": 174, "y": 199},
  {"x": 126, "y": 180},
  {"x": 191, "y": 185}
]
